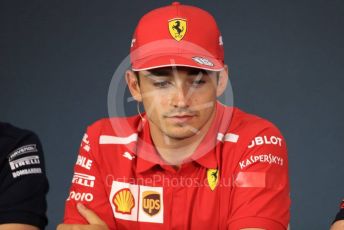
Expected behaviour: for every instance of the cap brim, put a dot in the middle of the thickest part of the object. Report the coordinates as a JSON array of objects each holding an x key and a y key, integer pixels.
[{"x": 186, "y": 60}]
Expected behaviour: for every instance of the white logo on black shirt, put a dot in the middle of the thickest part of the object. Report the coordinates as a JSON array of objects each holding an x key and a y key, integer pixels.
[
  {"x": 26, "y": 172},
  {"x": 30, "y": 160},
  {"x": 23, "y": 150}
]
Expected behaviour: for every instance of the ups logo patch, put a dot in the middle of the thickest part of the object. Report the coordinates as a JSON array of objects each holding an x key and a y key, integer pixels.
[{"x": 151, "y": 202}]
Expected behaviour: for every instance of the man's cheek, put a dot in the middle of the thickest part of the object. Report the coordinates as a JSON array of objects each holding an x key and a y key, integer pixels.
[{"x": 163, "y": 102}]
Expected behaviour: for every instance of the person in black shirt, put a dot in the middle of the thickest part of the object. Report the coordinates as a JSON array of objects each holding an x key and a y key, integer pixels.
[
  {"x": 338, "y": 223},
  {"x": 23, "y": 182}
]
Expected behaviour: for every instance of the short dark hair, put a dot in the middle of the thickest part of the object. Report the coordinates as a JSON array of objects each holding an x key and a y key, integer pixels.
[{"x": 137, "y": 77}]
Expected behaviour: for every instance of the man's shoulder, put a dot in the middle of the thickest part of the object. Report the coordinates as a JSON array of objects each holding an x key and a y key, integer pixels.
[
  {"x": 253, "y": 137},
  {"x": 250, "y": 124},
  {"x": 11, "y": 137},
  {"x": 118, "y": 126},
  {"x": 8, "y": 130}
]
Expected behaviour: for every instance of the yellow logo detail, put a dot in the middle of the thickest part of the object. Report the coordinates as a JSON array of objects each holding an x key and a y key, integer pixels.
[
  {"x": 213, "y": 178},
  {"x": 177, "y": 28},
  {"x": 124, "y": 201},
  {"x": 151, "y": 202}
]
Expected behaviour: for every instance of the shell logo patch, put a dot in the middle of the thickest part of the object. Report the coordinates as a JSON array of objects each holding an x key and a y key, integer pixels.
[
  {"x": 177, "y": 28},
  {"x": 124, "y": 201},
  {"x": 213, "y": 178},
  {"x": 151, "y": 202}
]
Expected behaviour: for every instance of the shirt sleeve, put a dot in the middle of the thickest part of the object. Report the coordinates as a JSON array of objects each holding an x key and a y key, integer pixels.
[
  {"x": 340, "y": 214},
  {"x": 24, "y": 184},
  {"x": 260, "y": 196},
  {"x": 87, "y": 186}
]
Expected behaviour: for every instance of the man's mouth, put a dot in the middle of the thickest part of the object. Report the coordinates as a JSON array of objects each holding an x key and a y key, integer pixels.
[{"x": 180, "y": 118}]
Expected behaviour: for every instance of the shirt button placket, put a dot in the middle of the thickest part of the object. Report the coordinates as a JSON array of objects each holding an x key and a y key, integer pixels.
[{"x": 178, "y": 202}]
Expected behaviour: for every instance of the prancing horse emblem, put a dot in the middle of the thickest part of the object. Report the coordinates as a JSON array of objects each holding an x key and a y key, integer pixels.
[
  {"x": 177, "y": 28},
  {"x": 213, "y": 178}
]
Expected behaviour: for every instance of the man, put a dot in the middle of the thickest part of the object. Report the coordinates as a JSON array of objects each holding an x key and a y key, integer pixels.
[
  {"x": 338, "y": 223},
  {"x": 23, "y": 184},
  {"x": 189, "y": 162}
]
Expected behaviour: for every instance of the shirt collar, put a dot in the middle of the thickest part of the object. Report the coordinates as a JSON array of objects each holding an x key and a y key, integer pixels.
[
  {"x": 147, "y": 156},
  {"x": 209, "y": 144}
]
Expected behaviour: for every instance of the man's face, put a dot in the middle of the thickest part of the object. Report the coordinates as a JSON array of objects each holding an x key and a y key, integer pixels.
[{"x": 178, "y": 101}]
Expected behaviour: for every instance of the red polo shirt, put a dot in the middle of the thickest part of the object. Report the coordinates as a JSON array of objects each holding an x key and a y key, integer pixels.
[{"x": 237, "y": 177}]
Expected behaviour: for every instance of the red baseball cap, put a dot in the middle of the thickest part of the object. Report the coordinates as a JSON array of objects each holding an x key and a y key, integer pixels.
[{"x": 177, "y": 35}]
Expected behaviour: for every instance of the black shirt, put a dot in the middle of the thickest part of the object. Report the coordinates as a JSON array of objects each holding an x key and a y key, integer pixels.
[
  {"x": 340, "y": 214},
  {"x": 23, "y": 183}
]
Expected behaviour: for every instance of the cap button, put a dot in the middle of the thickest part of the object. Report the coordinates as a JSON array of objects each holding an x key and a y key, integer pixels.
[{"x": 175, "y": 3}]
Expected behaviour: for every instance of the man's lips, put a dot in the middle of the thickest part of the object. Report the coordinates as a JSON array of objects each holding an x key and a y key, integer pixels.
[{"x": 180, "y": 118}]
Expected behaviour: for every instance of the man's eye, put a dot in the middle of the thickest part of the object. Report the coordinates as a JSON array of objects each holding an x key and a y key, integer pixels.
[
  {"x": 198, "y": 83},
  {"x": 161, "y": 84}
]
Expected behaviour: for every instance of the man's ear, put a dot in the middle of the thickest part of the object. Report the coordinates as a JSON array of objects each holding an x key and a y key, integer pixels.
[
  {"x": 223, "y": 80},
  {"x": 133, "y": 85}
]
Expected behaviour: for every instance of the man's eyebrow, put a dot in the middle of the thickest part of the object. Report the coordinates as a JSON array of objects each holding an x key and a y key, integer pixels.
[
  {"x": 160, "y": 72},
  {"x": 169, "y": 71},
  {"x": 195, "y": 71}
]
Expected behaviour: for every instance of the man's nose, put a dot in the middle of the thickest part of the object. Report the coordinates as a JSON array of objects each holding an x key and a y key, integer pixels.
[{"x": 181, "y": 97}]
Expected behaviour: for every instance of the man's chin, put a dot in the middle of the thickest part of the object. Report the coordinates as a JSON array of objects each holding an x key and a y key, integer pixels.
[{"x": 180, "y": 134}]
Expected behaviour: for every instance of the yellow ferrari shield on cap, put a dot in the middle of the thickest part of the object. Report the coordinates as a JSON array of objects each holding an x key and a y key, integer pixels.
[{"x": 177, "y": 28}]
